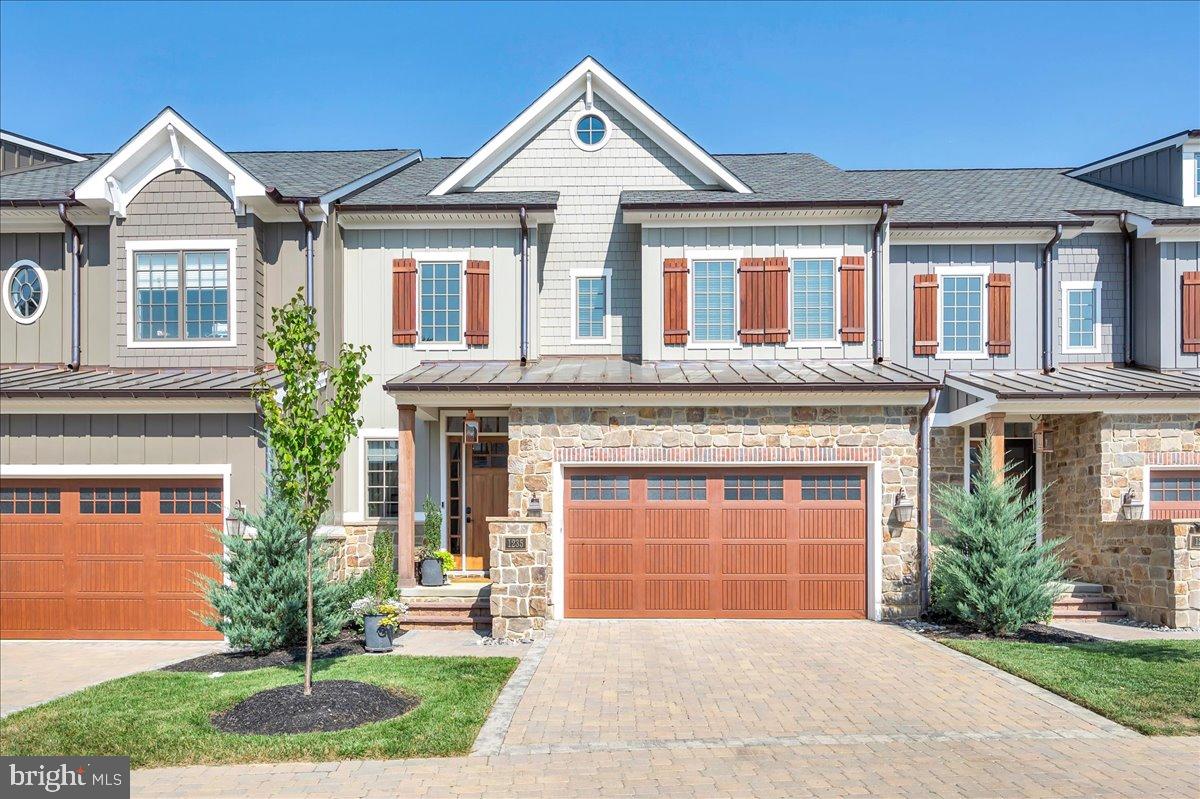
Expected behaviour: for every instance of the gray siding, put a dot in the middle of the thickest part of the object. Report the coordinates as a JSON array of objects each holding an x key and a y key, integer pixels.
[
  {"x": 1093, "y": 257},
  {"x": 185, "y": 205},
  {"x": 15, "y": 158},
  {"x": 280, "y": 272},
  {"x": 1158, "y": 175},
  {"x": 1175, "y": 258},
  {"x": 587, "y": 230},
  {"x": 137, "y": 439},
  {"x": 1147, "y": 306}
]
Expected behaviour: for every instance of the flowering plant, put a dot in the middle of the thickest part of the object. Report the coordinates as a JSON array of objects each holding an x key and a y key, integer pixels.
[{"x": 392, "y": 610}]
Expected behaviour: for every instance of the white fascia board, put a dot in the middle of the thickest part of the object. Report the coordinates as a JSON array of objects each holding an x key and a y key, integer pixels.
[
  {"x": 41, "y": 147},
  {"x": 1162, "y": 144},
  {"x": 1014, "y": 235},
  {"x": 167, "y": 143},
  {"x": 334, "y": 195},
  {"x": 557, "y": 98}
]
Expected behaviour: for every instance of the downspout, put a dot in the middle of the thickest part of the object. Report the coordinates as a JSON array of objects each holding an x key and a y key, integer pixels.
[
  {"x": 309, "y": 293},
  {"x": 1048, "y": 301},
  {"x": 524, "y": 287},
  {"x": 877, "y": 286},
  {"x": 1123, "y": 221},
  {"x": 923, "y": 489},
  {"x": 76, "y": 251}
]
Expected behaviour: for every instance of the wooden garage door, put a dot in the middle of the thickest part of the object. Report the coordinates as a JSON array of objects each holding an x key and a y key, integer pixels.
[
  {"x": 1175, "y": 494},
  {"x": 751, "y": 543},
  {"x": 105, "y": 558}
]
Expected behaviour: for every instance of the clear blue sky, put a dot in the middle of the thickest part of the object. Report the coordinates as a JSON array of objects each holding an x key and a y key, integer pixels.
[{"x": 864, "y": 86}]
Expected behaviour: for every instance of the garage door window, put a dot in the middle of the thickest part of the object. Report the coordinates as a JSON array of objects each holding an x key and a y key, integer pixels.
[
  {"x": 753, "y": 488},
  {"x": 599, "y": 487},
  {"x": 676, "y": 489},
  {"x": 30, "y": 500},
  {"x": 1175, "y": 489},
  {"x": 173, "y": 501},
  {"x": 110, "y": 500},
  {"x": 830, "y": 487}
]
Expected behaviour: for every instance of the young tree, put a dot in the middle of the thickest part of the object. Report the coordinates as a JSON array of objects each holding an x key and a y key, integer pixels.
[
  {"x": 308, "y": 422},
  {"x": 989, "y": 571}
]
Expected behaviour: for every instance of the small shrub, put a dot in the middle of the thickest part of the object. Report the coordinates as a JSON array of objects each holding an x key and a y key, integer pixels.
[
  {"x": 446, "y": 558},
  {"x": 381, "y": 577},
  {"x": 989, "y": 570},
  {"x": 432, "y": 528}
]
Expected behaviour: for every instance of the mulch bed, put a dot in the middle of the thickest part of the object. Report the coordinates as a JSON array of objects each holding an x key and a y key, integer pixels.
[
  {"x": 333, "y": 705},
  {"x": 1030, "y": 633},
  {"x": 348, "y": 643}
]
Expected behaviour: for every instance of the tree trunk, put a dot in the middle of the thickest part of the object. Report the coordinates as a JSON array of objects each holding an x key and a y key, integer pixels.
[{"x": 308, "y": 637}]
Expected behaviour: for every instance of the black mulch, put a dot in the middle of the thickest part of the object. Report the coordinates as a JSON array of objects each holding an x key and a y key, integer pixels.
[
  {"x": 1030, "y": 633},
  {"x": 348, "y": 643},
  {"x": 333, "y": 705}
]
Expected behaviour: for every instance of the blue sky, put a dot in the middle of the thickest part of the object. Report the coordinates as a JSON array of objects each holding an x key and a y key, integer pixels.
[{"x": 865, "y": 86}]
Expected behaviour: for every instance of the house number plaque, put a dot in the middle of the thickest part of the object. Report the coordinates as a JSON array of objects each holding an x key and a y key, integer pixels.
[{"x": 515, "y": 544}]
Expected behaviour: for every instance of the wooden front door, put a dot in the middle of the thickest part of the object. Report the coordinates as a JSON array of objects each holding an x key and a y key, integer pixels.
[
  {"x": 487, "y": 495},
  {"x": 106, "y": 558},
  {"x": 766, "y": 543}
]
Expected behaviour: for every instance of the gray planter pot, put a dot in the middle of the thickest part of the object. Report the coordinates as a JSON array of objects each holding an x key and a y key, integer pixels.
[
  {"x": 377, "y": 638},
  {"x": 431, "y": 572}
]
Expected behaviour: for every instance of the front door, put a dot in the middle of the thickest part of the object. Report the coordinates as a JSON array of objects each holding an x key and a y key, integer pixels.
[{"x": 487, "y": 495}]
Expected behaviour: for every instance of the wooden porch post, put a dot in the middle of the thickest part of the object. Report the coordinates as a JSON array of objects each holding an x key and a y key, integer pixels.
[
  {"x": 995, "y": 437},
  {"x": 406, "y": 495}
]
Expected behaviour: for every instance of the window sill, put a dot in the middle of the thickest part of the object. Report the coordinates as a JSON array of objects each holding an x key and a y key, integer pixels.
[{"x": 178, "y": 345}]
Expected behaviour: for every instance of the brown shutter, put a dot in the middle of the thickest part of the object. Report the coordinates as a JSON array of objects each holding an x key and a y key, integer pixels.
[
  {"x": 675, "y": 291},
  {"x": 925, "y": 299},
  {"x": 1189, "y": 303},
  {"x": 751, "y": 300},
  {"x": 776, "y": 327},
  {"x": 999, "y": 314},
  {"x": 479, "y": 302},
  {"x": 404, "y": 301},
  {"x": 854, "y": 299}
]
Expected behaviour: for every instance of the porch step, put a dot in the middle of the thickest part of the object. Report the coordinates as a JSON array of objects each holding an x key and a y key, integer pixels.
[
  {"x": 421, "y": 593},
  {"x": 454, "y": 612},
  {"x": 1089, "y": 615},
  {"x": 1086, "y": 602},
  {"x": 1079, "y": 589}
]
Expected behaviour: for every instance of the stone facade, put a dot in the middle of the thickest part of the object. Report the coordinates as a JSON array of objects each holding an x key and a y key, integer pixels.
[
  {"x": 520, "y": 576},
  {"x": 945, "y": 461},
  {"x": 354, "y": 548},
  {"x": 539, "y": 437}
]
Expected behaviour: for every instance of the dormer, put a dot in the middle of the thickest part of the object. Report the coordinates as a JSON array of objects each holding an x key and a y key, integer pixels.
[{"x": 1167, "y": 169}]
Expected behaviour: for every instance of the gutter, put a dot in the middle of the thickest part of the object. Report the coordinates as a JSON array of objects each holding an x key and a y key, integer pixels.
[
  {"x": 1048, "y": 301},
  {"x": 700, "y": 206},
  {"x": 524, "y": 287},
  {"x": 662, "y": 388},
  {"x": 1123, "y": 222},
  {"x": 877, "y": 285},
  {"x": 924, "y": 502},
  {"x": 76, "y": 251},
  {"x": 416, "y": 208},
  {"x": 1041, "y": 223},
  {"x": 309, "y": 291}
]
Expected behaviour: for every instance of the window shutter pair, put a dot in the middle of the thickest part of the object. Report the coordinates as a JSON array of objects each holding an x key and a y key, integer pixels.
[
  {"x": 404, "y": 301},
  {"x": 763, "y": 289},
  {"x": 675, "y": 300},
  {"x": 999, "y": 341},
  {"x": 1189, "y": 304},
  {"x": 925, "y": 314},
  {"x": 854, "y": 299}
]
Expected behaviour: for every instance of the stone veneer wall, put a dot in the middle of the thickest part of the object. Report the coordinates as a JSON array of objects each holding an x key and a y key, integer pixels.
[
  {"x": 521, "y": 578},
  {"x": 1071, "y": 473},
  {"x": 540, "y": 436},
  {"x": 945, "y": 462},
  {"x": 354, "y": 547}
]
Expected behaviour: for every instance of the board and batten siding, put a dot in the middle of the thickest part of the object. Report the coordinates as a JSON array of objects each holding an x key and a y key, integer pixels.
[
  {"x": 1158, "y": 175},
  {"x": 185, "y": 205},
  {"x": 133, "y": 439},
  {"x": 587, "y": 230},
  {"x": 48, "y": 340},
  {"x": 281, "y": 271},
  {"x": 659, "y": 243},
  {"x": 1174, "y": 258}
]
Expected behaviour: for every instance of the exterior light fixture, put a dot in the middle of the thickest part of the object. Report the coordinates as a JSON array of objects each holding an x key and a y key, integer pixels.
[
  {"x": 1131, "y": 506},
  {"x": 1041, "y": 436},
  {"x": 535, "y": 505},
  {"x": 903, "y": 506},
  {"x": 471, "y": 428},
  {"x": 235, "y": 522}
]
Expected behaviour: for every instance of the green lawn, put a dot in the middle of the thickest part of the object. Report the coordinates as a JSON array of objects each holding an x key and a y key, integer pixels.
[
  {"x": 162, "y": 718},
  {"x": 1151, "y": 686}
]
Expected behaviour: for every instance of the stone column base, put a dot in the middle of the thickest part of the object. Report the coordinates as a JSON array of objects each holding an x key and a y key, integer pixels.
[{"x": 520, "y": 572}]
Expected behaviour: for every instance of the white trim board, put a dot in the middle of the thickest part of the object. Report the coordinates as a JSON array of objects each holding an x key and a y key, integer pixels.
[
  {"x": 132, "y": 248},
  {"x": 41, "y": 147}
]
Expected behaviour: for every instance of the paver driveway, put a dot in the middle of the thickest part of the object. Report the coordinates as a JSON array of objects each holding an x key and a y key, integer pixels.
[{"x": 704, "y": 709}]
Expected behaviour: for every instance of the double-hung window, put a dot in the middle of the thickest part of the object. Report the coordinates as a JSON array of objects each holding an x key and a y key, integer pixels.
[
  {"x": 441, "y": 302},
  {"x": 590, "y": 291},
  {"x": 962, "y": 314},
  {"x": 383, "y": 478},
  {"x": 1081, "y": 312},
  {"x": 181, "y": 295},
  {"x": 813, "y": 303},
  {"x": 713, "y": 301}
]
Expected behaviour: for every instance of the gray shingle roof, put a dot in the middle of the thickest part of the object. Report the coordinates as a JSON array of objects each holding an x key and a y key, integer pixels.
[
  {"x": 42, "y": 380},
  {"x": 1083, "y": 383},
  {"x": 49, "y": 183},
  {"x": 411, "y": 186},
  {"x": 584, "y": 374}
]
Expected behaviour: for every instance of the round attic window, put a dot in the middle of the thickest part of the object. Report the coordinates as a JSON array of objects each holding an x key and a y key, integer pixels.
[
  {"x": 25, "y": 292},
  {"x": 590, "y": 131}
]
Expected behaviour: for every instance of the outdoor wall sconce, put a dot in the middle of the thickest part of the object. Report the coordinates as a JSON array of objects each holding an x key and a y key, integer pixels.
[
  {"x": 1131, "y": 506},
  {"x": 535, "y": 506},
  {"x": 1041, "y": 436},
  {"x": 471, "y": 428},
  {"x": 235, "y": 522},
  {"x": 903, "y": 506}
]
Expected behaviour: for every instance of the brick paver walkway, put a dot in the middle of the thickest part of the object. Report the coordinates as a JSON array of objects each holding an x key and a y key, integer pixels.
[{"x": 702, "y": 709}]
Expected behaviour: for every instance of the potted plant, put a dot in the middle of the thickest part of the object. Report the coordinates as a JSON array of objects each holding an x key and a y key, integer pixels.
[
  {"x": 433, "y": 566},
  {"x": 381, "y": 619}
]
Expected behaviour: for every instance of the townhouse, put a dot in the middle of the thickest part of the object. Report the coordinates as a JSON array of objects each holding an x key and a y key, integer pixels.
[{"x": 640, "y": 379}]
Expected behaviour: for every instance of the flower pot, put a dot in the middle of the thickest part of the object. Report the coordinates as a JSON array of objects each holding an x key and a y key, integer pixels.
[
  {"x": 377, "y": 638},
  {"x": 431, "y": 572}
]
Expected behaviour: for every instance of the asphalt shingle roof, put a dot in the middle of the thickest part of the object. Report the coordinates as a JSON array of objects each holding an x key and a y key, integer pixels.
[{"x": 411, "y": 187}]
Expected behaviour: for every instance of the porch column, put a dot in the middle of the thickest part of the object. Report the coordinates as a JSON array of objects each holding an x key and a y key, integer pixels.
[
  {"x": 995, "y": 437},
  {"x": 406, "y": 495}
]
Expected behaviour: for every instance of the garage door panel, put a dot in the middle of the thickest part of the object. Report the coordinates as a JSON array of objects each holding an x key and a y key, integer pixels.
[
  {"x": 110, "y": 538},
  {"x": 119, "y": 576},
  {"x": 754, "y": 559},
  {"x": 31, "y": 575},
  {"x": 594, "y": 558},
  {"x": 180, "y": 575},
  {"x": 677, "y": 559},
  {"x": 591, "y": 594},
  {"x": 175, "y": 538},
  {"x": 34, "y": 614},
  {"x": 600, "y": 522},
  {"x": 676, "y": 522},
  {"x": 178, "y": 615},
  {"x": 31, "y": 538},
  {"x": 678, "y": 596},
  {"x": 832, "y": 597},
  {"x": 832, "y": 558},
  {"x": 754, "y": 595},
  {"x": 755, "y": 522},
  {"x": 830, "y": 522},
  {"x": 110, "y": 614}
]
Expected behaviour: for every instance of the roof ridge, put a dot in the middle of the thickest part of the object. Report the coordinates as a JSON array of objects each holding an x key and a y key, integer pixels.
[
  {"x": 299, "y": 152},
  {"x": 971, "y": 169}
]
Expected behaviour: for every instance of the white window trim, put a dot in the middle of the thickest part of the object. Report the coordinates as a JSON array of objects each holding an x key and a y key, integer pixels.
[
  {"x": 1191, "y": 174},
  {"x": 364, "y": 452},
  {"x": 1067, "y": 287},
  {"x": 8, "y": 279},
  {"x": 590, "y": 111},
  {"x": 444, "y": 257},
  {"x": 132, "y": 248},
  {"x": 981, "y": 272},
  {"x": 736, "y": 256},
  {"x": 591, "y": 272},
  {"x": 811, "y": 254}
]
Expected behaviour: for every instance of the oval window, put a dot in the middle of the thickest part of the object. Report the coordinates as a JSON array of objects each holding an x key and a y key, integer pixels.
[
  {"x": 25, "y": 291},
  {"x": 591, "y": 129}
]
